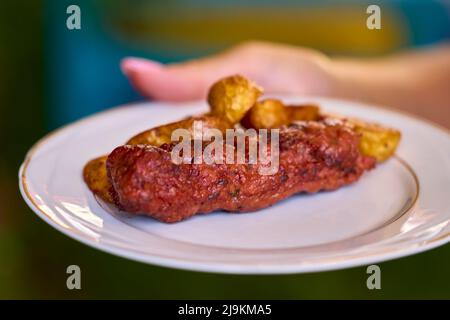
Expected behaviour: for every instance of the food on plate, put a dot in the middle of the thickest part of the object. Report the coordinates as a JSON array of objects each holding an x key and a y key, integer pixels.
[
  {"x": 376, "y": 141},
  {"x": 272, "y": 113},
  {"x": 231, "y": 97},
  {"x": 162, "y": 134},
  {"x": 95, "y": 176},
  {"x": 303, "y": 113},
  {"x": 312, "y": 158},
  {"x": 266, "y": 114},
  {"x": 94, "y": 172},
  {"x": 317, "y": 151}
]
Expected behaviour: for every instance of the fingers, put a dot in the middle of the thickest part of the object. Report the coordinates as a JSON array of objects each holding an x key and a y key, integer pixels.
[
  {"x": 157, "y": 81},
  {"x": 279, "y": 69},
  {"x": 175, "y": 82}
]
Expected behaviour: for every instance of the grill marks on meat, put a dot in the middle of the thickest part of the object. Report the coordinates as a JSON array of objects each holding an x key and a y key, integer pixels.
[{"x": 312, "y": 158}]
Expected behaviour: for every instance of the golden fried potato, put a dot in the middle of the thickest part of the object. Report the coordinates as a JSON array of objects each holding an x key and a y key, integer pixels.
[
  {"x": 266, "y": 114},
  {"x": 303, "y": 113},
  {"x": 376, "y": 141},
  {"x": 162, "y": 134},
  {"x": 95, "y": 176},
  {"x": 230, "y": 98}
]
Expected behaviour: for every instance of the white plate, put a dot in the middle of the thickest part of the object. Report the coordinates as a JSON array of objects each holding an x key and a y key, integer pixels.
[{"x": 401, "y": 208}]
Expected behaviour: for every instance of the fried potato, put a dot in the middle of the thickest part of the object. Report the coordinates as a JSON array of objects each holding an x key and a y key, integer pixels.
[
  {"x": 272, "y": 113},
  {"x": 303, "y": 113},
  {"x": 162, "y": 134},
  {"x": 376, "y": 141},
  {"x": 266, "y": 114},
  {"x": 95, "y": 176},
  {"x": 230, "y": 98}
]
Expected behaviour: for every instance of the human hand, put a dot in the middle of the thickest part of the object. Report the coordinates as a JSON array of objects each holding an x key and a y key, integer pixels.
[{"x": 277, "y": 68}]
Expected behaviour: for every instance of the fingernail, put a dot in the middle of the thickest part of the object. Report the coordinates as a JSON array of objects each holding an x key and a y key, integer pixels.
[{"x": 135, "y": 65}]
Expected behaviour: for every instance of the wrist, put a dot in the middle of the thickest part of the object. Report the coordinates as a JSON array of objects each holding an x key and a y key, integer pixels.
[{"x": 353, "y": 80}]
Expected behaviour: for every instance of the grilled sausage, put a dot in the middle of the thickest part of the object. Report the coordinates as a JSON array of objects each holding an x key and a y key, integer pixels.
[{"x": 315, "y": 157}]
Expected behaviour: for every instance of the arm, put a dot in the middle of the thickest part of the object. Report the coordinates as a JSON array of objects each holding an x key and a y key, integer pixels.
[{"x": 417, "y": 82}]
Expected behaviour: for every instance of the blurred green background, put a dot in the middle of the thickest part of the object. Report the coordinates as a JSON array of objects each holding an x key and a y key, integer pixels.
[{"x": 50, "y": 76}]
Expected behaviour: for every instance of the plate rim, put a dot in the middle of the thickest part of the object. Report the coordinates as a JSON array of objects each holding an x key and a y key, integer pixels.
[{"x": 229, "y": 268}]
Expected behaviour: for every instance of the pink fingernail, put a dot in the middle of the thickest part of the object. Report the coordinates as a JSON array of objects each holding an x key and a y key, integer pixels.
[{"x": 134, "y": 65}]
